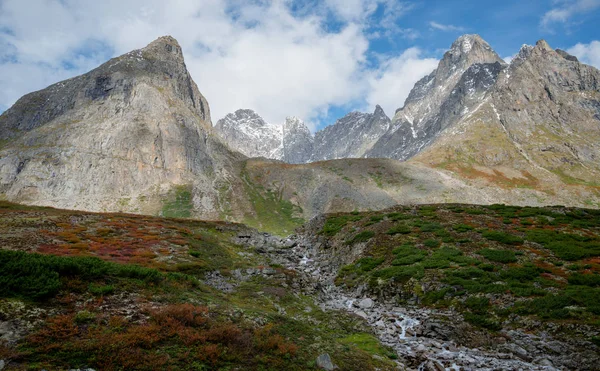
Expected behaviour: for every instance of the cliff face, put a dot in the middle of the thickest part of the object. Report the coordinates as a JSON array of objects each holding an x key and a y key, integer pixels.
[{"x": 117, "y": 138}]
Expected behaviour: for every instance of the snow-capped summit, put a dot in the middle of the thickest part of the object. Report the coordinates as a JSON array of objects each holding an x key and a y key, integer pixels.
[{"x": 247, "y": 132}]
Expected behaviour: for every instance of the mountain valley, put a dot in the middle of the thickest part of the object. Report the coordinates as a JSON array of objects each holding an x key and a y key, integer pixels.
[{"x": 462, "y": 233}]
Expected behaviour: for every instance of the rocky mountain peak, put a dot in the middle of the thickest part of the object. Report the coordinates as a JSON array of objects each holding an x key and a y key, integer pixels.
[
  {"x": 293, "y": 123},
  {"x": 465, "y": 43},
  {"x": 297, "y": 141},
  {"x": 165, "y": 47},
  {"x": 248, "y": 117},
  {"x": 543, "y": 45},
  {"x": 379, "y": 112},
  {"x": 464, "y": 52}
]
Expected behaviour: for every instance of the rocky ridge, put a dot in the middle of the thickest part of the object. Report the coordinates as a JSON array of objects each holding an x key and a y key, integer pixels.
[
  {"x": 134, "y": 135},
  {"x": 352, "y": 136}
]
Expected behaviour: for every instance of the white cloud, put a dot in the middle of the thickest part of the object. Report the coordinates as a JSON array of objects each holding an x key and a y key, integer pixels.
[
  {"x": 587, "y": 53},
  {"x": 564, "y": 10},
  {"x": 391, "y": 84},
  {"x": 242, "y": 54},
  {"x": 446, "y": 27}
]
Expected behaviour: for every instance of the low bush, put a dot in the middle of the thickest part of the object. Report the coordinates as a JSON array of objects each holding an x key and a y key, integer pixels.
[
  {"x": 430, "y": 227},
  {"x": 505, "y": 238},
  {"x": 482, "y": 320},
  {"x": 334, "y": 224},
  {"x": 499, "y": 256},
  {"x": 462, "y": 228},
  {"x": 566, "y": 246},
  {"x": 37, "y": 276},
  {"x": 363, "y": 236},
  {"x": 399, "y": 229},
  {"x": 591, "y": 280},
  {"x": 400, "y": 273},
  {"x": 368, "y": 264},
  {"x": 431, "y": 243}
]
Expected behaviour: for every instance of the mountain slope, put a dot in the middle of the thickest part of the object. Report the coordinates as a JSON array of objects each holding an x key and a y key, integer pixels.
[
  {"x": 135, "y": 135},
  {"x": 121, "y": 137},
  {"x": 435, "y": 97},
  {"x": 539, "y": 125}
]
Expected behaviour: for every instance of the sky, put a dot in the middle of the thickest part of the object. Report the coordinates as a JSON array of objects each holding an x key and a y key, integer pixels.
[{"x": 316, "y": 60}]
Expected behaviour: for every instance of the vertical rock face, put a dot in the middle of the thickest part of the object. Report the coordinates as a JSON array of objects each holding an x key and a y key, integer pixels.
[
  {"x": 114, "y": 138},
  {"x": 297, "y": 141},
  {"x": 415, "y": 125},
  {"x": 351, "y": 136},
  {"x": 247, "y": 132}
]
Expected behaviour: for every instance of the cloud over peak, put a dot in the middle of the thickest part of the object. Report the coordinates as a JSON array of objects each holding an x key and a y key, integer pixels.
[{"x": 278, "y": 57}]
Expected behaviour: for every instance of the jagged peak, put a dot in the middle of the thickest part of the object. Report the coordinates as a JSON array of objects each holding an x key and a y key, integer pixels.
[
  {"x": 378, "y": 110},
  {"x": 466, "y": 43},
  {"x": 294, "y": 121},
  {"x": 165, "y": 47},
  {"x": 543, "y": 45},
  {"x": 245, "y": 112}
]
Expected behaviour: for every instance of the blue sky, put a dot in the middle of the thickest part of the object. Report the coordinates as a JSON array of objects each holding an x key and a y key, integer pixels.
[{"x": 313, "y": 59}]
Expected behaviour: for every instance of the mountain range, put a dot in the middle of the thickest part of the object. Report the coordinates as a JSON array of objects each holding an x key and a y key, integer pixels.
[{"x": 136, "y": 135}]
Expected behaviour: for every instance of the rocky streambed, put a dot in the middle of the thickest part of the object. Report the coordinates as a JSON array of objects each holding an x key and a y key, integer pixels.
[{"x": 423, "y": 338}]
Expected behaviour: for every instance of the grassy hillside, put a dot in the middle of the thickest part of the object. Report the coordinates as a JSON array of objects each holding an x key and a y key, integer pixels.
[
  {"x": 499, "y": 266},
  {"x": 123, "y": 292}
]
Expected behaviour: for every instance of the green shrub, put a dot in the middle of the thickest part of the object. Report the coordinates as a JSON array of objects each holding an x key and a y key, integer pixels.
[
  {"x": 502, "y": 237},
  {"x": 399, "y": 229},
  {"x": 408, "y": 254},
  {"x": 550, "y": 306},
  {"x": 37, "y": 276},
  {"x": 101, "y": 290},
  {"x": 591, "y": 280},
  {"x": 475, "y": 212},
  {"x": 430, "y": 227},
  {"x": 566, "y": 246},
  {"x": 484, "y": 321},
  {"x": 431, "y": 243},
  {"x": 499, "y": 256},
  {"x": 476, "y": 304},
  {"x": 462, "y": 228},
  {"x": 334, "y": 224},
  {"x": 400, "y": 273},
  {"x": 526, "y": 273},
  {"x": 368, "y": 264},
  {"x": 363, "y": 236},
  {"x": 398, "y": 216}
]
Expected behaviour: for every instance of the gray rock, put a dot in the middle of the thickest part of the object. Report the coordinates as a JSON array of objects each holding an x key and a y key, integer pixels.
[
  {"x": 297, "y": 141},
  {"x": 2, "y": 364},
  {"x": 361, "y": 314},
  {"x": 324, "y": 362},
  {"x": 366, "y": 303},
  {"x": 352, "y": 136}
]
